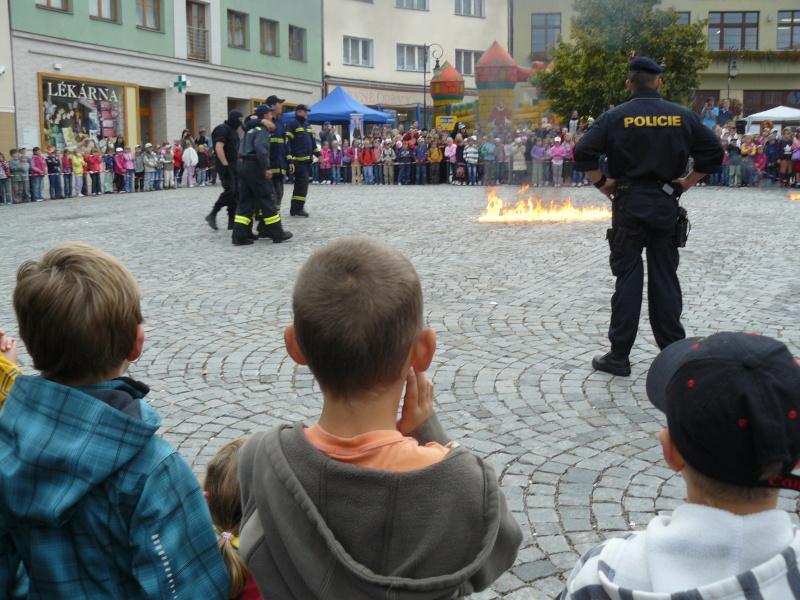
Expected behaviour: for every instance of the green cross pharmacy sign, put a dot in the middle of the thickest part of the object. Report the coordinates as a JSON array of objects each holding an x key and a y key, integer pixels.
[{"x": 181, "y": 83}]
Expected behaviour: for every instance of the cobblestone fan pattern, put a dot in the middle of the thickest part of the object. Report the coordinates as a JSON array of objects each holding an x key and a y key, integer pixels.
[{"x": 520, "y": 310}]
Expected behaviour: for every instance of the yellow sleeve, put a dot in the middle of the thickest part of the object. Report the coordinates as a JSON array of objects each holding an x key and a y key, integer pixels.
[{"x": 8, "y": 373}]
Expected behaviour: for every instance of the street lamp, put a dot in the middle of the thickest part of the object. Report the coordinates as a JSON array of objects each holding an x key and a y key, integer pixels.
[
  {"x": 732, "y": 70},
  {"x": 437, "y": 52}
]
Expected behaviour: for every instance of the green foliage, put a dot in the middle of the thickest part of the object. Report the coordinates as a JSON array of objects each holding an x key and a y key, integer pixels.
[
  {"x": 590, "y": 72},
  {"x": 771, "y": 56}
]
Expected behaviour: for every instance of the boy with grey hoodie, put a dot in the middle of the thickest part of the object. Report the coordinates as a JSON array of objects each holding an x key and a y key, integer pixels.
[
  {"x": 364, "y": 505},
  {"x": 732, "y": 403}
]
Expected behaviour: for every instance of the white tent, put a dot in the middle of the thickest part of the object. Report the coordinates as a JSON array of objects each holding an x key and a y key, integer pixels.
[{"x": 779, "y": 114}]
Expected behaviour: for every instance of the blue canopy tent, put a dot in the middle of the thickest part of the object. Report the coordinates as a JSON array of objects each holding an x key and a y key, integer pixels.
[{"x": 337, "y": 107}]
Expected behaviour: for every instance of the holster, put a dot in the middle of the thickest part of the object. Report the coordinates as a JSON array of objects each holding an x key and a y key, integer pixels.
[{"x": 682, "y": 228}]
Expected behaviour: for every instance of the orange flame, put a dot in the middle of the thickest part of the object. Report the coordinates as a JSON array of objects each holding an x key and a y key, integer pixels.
[
  {"x": 533, "y": 210},
  {"x": 794, "y": 196}
]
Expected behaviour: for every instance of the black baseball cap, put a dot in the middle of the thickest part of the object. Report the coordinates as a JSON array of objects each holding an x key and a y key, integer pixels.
[
  {"x": 732, "y": 402},
  {"x": 273, "y": 100},
  {"x": 642, "y": 63},
  {"x": 301, "y": 107},
  {"x": 263, "y": 109}
]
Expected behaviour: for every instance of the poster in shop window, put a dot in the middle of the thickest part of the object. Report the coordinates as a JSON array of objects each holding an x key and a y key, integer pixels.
[{"x": 78, "y": 109}]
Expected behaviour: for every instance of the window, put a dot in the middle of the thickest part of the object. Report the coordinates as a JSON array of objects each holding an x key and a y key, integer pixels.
[
  {"x": 237, "y": 29},
  {"x": 148, "y": 14},
  {"x": 470, "y": 8},
  {"x": 758, "y": 100},
  {"x": 545, "y": 29},
  {"x": 684, "y": 17},
  {"x": 107, "y": 10},
  {"x": 410, "y": 58},
  {"x": 196, "y": 32},
  {"x": 297, "y": 43},
  {"x": 54, "y": 4},
  {"x": 788, "y": 29},
  {"x": 733, "y": 30},
  {"x": 466, "y": 61},
  {"x": 412, "y": 4},
  {"x": 269, "y": 37},
  {"x": 357, "y": 51}
]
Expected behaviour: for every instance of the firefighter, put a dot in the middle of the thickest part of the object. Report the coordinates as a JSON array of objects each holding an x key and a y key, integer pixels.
[
  {"x": 277, "y": 149},
  {"x": 256, "y": 196},
  {"x": 302, "y": 149}
]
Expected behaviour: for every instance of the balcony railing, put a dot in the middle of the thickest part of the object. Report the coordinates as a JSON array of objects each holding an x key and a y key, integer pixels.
[{"x": 197, "y": 43}]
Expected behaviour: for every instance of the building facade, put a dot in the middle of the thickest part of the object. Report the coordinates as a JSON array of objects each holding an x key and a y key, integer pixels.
[
  {"x": 7, "y": 102},
  {"x": 376, "y": 49},
  {"x": 763, "y": 37},
  {"x": 146, "y": 69}
]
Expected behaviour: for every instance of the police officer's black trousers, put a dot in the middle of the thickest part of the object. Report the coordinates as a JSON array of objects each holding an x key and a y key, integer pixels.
[
  {"x": 255, "y": 199},
  {"x": 301, "y": 172},
  {"x": 663, "y": 288},
  {"x": 230, "y": 191}
]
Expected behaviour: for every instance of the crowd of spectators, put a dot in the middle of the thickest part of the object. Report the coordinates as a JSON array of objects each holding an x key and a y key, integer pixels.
[{"x": 105, "y": 166}]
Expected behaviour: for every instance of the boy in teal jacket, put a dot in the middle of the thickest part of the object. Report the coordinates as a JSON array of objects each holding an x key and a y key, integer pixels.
[{"x": 92, "y": 502}]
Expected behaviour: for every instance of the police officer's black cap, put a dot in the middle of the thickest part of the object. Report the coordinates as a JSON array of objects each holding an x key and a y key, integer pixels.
[
  {"x": 732, "y": 402},
  {"x": 300, "y": 107},
  {"x": 273, "y": 100},
  {"x": 263, "y": 109},
  {"x": 642, "y": 63}
]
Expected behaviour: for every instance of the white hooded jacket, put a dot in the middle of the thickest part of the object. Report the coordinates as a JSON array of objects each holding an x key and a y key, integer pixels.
[{"x": 699, "y": 553}]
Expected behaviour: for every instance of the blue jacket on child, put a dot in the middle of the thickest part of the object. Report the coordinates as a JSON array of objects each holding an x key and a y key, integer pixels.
[{"x": 94, "y": 504}]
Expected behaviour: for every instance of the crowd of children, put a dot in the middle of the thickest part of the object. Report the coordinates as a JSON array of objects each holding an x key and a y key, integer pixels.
[
  {"x": 93, "y": 170},
  {"x": 541, "y": 157},
  {"x": 373, "y": 500},
  {"x": 769, "y": 158}
]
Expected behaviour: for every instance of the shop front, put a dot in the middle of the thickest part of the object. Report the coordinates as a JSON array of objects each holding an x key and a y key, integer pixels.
[{"x": 72, "y": 109}]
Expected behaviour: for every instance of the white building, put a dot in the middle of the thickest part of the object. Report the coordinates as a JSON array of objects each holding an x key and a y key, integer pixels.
[{"x": 375, "y": 48}]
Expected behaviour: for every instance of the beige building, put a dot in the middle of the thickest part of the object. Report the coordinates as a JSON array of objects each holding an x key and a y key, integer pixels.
[
  {"x": 375, "y": 49},
  {"x": 749, "y": 31},
  {"x": 8, "y": 134}
]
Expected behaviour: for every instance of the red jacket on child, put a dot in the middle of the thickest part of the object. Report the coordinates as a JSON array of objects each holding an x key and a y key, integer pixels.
[{"x": 93, "y": 162}]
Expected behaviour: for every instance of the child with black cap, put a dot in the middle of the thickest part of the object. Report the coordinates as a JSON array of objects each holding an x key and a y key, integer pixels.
[{"x": 732, "y": 402}]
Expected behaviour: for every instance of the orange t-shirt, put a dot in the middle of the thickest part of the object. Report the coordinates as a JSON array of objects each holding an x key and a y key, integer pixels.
[{"x": 383, "y": 450}]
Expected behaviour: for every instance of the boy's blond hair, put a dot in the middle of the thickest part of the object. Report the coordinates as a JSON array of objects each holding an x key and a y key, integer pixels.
[
  {"x": 357, "y": 310},
  {"x": 78, "y": 311}
]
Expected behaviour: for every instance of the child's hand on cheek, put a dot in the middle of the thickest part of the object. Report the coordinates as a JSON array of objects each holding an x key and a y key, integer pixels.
[{"x": 417, "y": 404}]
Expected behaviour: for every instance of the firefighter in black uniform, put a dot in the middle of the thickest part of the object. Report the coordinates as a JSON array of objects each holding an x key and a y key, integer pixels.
[
  {"x": 225, "y": 138},
  {"x": 277, "y": 149},
  {"x": 647, "y": 142},
  {"x": 302, "y": 147},
  {"x": 256, "y": 196}
]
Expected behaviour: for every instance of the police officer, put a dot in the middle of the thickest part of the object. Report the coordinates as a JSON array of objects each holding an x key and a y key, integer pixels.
[
  {"x": 225, "y": 138},
  {"x": 647, "y": 142},
  {"x": 256, "y": 196},
  {"x": 302, "y": 147}
]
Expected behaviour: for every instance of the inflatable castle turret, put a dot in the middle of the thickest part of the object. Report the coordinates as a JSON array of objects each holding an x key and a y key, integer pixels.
[{"x": 497, "y": 74}]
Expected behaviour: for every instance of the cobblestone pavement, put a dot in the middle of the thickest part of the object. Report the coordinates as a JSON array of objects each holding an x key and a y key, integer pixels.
[{"x": 520, "y": 310}]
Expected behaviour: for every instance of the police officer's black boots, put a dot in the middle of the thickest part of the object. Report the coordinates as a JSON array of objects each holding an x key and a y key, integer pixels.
[
  {"x": 211, "y": 219},
  {"x": 612, "y": 364}
]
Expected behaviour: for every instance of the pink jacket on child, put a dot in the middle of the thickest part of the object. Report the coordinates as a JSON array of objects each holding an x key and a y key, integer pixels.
[
  {"x": 38, "y": 165},
  {"x": 557, "y": 153}
]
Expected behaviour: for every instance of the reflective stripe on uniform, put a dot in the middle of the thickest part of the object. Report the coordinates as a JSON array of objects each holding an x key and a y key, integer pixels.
[
  {"x": 300, "y": 130},
  {"x": 272, "y": 220},
  {"x": 301, "y": 158},
  {"x": 242, "y": 220},
  {"x": 301, "y": 198},
  {"x": 289, "y": 134},
  {"x": 276, "y": 140},
  {"x": 278, "y": 171}
]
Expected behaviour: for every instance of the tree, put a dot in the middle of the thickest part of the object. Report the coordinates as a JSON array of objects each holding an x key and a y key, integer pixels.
[{"x": 589, "y": 73}]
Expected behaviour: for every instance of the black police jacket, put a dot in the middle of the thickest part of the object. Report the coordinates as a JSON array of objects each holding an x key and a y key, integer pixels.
[
  {"x": 230, "y": 143},
  {"x": 649, "y": 139},
  {"x": 302, "y": 144}
]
